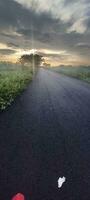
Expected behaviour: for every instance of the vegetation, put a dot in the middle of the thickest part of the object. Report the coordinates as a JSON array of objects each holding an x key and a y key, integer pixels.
[
  {"x": 13, "y": 80},
  {"x": 80, "y": 72},
  {"x": 31, "y": 59}
]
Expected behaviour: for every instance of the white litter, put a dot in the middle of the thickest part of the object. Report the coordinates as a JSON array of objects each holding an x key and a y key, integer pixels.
[{"x": 61, "y": 181}]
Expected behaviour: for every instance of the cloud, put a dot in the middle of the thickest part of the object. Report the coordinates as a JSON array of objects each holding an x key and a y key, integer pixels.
[
  {"x": 83, "y": 45},
  {"x": 8, "y": 14},
  {"x": 79, "y": 26},
  {"x": 57, "y": 25},
  {"x": 58, "y": 55},
  {"x": 7, "y": 51},
  {"x": 11, "y": 44}
]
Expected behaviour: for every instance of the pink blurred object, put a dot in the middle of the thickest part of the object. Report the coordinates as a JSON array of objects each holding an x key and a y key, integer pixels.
[{"x": 18, "y": 196}]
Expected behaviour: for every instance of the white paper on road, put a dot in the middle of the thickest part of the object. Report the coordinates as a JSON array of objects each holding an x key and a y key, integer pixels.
[{"x": 61, "y": 180}]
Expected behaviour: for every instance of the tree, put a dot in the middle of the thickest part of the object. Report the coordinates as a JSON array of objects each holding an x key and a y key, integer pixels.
[{"x": 32, "y": 59}]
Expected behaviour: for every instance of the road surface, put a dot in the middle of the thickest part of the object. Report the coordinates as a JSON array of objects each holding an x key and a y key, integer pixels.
[{"x": 44, "y": 135}]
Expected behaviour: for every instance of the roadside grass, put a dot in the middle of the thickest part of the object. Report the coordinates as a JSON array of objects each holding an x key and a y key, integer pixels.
[
  {"x": 13, "y": 80},
  {"x": 82, "y": 73}
]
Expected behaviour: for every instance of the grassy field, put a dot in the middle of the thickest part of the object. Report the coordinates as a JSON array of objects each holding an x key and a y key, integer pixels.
[
  {"x": 82, "y": 73},
  {"x": 13, "y": 80}
]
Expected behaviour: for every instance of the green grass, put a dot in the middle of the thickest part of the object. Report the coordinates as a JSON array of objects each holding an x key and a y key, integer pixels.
[
  {"x": 82, "y": 73},
  {"x": 13, "y": 80}
]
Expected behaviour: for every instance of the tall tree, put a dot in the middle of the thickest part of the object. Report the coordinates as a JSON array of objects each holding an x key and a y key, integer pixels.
[{"x": 32, "y": 59}]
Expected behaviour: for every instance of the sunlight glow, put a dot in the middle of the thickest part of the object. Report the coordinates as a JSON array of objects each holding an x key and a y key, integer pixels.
[
  {"x": 47, "y": 51},
  {"x": 3, "y": 46}
]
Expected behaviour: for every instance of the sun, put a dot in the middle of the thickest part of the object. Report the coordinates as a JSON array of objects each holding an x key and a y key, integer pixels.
[{"x": 33, "y": 51}]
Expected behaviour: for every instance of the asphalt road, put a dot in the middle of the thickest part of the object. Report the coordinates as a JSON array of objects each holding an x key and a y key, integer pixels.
[{"x": 44, "y": 135}]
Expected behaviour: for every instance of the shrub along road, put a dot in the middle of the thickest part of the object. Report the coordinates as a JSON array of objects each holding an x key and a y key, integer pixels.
[{"x": 45, "y": 135}]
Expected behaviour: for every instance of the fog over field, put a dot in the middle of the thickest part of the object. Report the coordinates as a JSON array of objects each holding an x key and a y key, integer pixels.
[{"x": 60, "y": 30}]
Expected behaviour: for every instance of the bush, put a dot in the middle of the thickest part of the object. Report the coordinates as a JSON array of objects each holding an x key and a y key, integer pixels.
[{"x": 12, "y": 82}]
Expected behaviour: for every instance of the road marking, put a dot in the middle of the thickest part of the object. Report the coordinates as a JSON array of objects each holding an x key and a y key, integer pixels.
[{"x": 61, "y": 180}]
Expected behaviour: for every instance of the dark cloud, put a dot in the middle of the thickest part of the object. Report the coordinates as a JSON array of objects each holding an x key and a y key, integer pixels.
[
  {"x": 83, "y": 49},
  {"x": 14, "y": 17},
  {"x": 7, "y": 51},
  {"x": 83, "y": 45},
  {"x": 68, "y": 2},
  {"x": 11, "y": 44},
  {"x": 18, "y": 25},
  {"x": 7, "y": 35},
  {"x": 13, "y": 14},
  {"x": 9, "y": 12},
  {"x": 36, "y": 35}
]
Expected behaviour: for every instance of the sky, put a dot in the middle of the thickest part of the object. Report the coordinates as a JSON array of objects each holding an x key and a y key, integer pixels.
[{"x": 59, "y": 30}]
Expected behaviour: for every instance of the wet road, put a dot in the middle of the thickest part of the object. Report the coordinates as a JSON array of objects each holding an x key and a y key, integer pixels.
[{"x": 45, "y": 135}]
